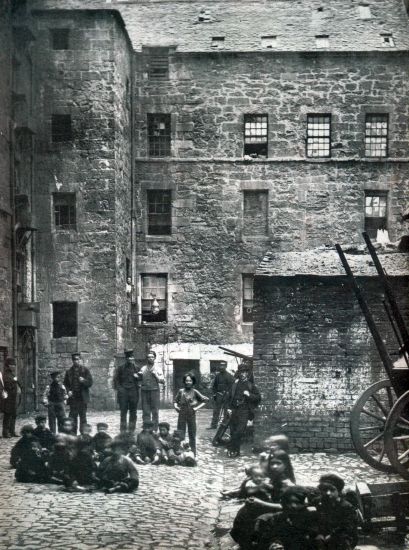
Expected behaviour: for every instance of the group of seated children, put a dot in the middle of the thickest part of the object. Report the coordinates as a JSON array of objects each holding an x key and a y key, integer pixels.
[
  {"x": 278, "y": 513},
  {"x": 87, "y": 462}
]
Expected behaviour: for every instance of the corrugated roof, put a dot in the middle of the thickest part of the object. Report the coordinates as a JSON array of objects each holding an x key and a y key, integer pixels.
[
  {"x": 325, "y": 262},
  {"x": 294, "y": 23}
]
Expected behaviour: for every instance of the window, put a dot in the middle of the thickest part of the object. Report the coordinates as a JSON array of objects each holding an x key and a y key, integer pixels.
[
  {"x": 60, "y": 39},
  {"x": 218, "y": 42},
  {"x": 158, "y": 63},
  {"x": 387, "y": 40},
  {"x": 268, "y": 41},
  {"x": 61, "y": 128},
  {"x": 322, "y": 41},
  {"x": 256, "y": 135},
  {"x": 318, "y": 135},
  {"x": 364, "y": 11},
  {"x": 64, "y": 211},
  {"x": 154, "y": 295},
  {"x": 375, "y": 212},
  {"x": 376, "y": 135},
  {"x": 64, "y": 319},
  {"x": 247, "y": 298},
  {"x": 159, "y": 135},
  {"x": 255, "y": 213},
  {"x": 159, "y": 212}
]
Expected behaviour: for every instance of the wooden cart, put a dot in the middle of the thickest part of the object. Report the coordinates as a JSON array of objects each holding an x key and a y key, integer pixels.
[{"x": 380, "y": 417}]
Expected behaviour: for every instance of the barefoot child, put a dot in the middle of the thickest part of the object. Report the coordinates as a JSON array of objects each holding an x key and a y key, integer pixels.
[{"x": 188, "y": 401}]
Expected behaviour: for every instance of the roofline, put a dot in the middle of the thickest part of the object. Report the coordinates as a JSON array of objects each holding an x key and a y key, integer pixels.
[
  {"x": 115, "y": 13},
  {"x": 323, "y": 276}
]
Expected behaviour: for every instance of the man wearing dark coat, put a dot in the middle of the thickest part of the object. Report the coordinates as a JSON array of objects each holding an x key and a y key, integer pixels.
[
  {"x": 77, "y": 382},
  {"x": 11, "y": 398},
  {"x": 243, "y": 398},
  {"x": 221, "y": 386},
  {"x": 126, "y": 384}
]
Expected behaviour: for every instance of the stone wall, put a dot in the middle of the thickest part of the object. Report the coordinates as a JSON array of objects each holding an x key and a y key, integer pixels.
[
  {"x": 314, "y": 355},
  {"x": 84, "y": 265},
  {"x": 6, "y": 312}
]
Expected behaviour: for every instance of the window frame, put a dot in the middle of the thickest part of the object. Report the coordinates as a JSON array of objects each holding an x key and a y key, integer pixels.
[
  {"x": 247, "y": 276},
  {"x": 56, "y": 334},
  {"x": 367, "y": 136},
  {"x": 163, "y": 143},
  {"x": 148, "y": 318},
  {"x": 158, "y": 64},
  {"x": 308, "y": 137},
  {"x": 71, "y": 213},
  {"x": 385, "y": 219},
  {"x": 151, "y": 192},
  {"x": 247, "y": 120}
]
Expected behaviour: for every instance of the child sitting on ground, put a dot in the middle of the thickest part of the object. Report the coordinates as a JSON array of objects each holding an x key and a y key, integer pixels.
[
  {"x": 182, "y": 452},
  {"x": 83, "y": 466},
  {"x": 102, "y": 441},
  {"x": 255, "y": 485},
  {"x": 23, "y": 445},
  {"x": 60, "y": 460},
  {"x": 43, "y": 434},
  {"x": 118, "y": 473},
  {"x": 85, "y": 434},
  {"x": 337, "y": 518},
  {"x": 148, "y": 445},
  {"x": 293, "y": 528},
  {"x": 167, "y": 455},
  {"x": 31, "y": 467}
]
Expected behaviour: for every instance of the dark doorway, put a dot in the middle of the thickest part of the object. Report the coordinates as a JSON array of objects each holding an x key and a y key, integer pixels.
[{"x": 180, "y": 368}]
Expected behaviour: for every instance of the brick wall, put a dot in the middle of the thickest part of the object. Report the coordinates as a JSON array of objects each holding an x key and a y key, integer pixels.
[
  {"x": 84, "y": 265},
  {"x": 6, "y": 315},
  {"x": 314, "y": 355}
]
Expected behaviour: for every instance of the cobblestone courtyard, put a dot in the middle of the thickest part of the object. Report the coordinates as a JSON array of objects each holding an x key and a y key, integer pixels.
[{"x": 174, "y": 508}]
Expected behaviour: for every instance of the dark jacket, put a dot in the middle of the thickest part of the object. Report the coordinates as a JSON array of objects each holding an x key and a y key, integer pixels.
[
  {"x": 237, "y": 399},
  {"x": 13, "y": 389},
  {"x": 85, "y": 386},
  {"x": 222, "y": 382},
  {"x": 120, "y": 376}
]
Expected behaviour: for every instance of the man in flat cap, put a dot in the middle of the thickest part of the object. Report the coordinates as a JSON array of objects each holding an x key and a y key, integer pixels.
[
  {"x": 152, "y": 376},
  {"x": 77, "y": 382},
  {"x": 54, "y": 398},
  {"x": 221, "y": 385},
  {"x": 126, "y": 385}
]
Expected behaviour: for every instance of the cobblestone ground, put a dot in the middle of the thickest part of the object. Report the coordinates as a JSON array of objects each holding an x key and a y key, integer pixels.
[{"x": 174, "y": 508}]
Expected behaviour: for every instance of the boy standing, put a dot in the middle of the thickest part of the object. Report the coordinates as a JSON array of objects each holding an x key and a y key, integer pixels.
[
  {"x": 78, "y": 381},
  {"x": 152, "y": 376},
  {"x": 126, "y": 384},
  {"x": 54, "y": 398}
]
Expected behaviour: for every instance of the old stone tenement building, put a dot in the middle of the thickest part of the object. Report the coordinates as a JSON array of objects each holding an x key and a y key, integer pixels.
[{"x": 168, "y": 146}]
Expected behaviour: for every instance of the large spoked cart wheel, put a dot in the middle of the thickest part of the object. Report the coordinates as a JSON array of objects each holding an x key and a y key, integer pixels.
[
  {"x": 368, "y": 423},
  {"x": 397, "y": 436}
]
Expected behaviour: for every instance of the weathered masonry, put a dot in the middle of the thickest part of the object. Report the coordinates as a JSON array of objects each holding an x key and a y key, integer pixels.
[
  {"x": 314, "y": 354},
  {"x": 177, "y": 142}
]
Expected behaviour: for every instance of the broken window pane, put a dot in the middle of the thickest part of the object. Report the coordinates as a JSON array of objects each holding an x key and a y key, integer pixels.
[
  {"x": 268, "y": 41},
  {"x": 387, "y": 40},
  {"x": 218, "y": 42},
  {"x": 256, "y": 135},
  {"x": 376, "y": 135},
  {"x": 159, "y": 135},
  {"x": 375, "y": 212},
  {"x": 318, "y": 135}
]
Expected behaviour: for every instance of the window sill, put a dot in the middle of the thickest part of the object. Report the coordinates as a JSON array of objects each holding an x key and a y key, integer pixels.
[
  {"x": 160, "y": 238},
  {"x": 159, "y": 324}
]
